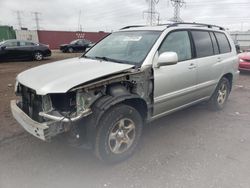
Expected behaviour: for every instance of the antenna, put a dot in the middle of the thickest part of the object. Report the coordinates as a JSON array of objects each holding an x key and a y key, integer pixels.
[
  {"x": 177, "y": 4},
  {"x": 37, "y": 19},
  {"x": 152, "y": 14}
]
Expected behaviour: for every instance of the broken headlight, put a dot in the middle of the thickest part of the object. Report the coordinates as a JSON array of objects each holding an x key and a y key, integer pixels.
[
  {"x": 81, "y": 102},
  {"x": 46, "y": 103}
]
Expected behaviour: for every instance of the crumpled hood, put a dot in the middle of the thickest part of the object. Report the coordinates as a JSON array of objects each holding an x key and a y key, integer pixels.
[{"x": 61, "y": 76}]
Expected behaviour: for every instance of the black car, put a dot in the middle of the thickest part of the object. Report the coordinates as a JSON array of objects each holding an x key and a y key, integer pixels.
[
  {"x": 79, "y": 45},
  {"x": 21, "y": 50}
]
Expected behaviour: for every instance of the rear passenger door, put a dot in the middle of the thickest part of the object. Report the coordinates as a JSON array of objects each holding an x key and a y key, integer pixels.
[
  {"x": 26, "y": 49},
  {"x": 211, "y": 49},
  {"x": 208, "y": 61}
]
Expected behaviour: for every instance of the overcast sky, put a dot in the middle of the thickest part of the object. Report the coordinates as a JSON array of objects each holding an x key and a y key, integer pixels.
[{"x": 108, "y": 15}]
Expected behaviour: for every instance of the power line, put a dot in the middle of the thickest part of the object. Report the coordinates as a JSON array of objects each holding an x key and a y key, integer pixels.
[
  {"x": 79, "y": 21},
  {"x": 177, "y": 4},
  {"x": 19, "y": 19},
  {"x": 37, "y": 19},
  {"x": 152, "y": 14}
]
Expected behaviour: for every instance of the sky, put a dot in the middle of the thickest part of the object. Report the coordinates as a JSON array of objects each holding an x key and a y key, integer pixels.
[{"x": 110, "y": 15}]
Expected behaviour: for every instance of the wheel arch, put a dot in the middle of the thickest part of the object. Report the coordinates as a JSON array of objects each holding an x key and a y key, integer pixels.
[
  {"x": 229, "y": 76},
  {"x": 103, "y": 104}
]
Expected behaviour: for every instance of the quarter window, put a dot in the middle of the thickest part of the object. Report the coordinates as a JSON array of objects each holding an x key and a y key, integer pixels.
[
  {"x": 215, "y": 45},
  {"x": 223, "y": 42},
  {"x": 178, "y": 42},
  {"x": 203, "y": 43}
]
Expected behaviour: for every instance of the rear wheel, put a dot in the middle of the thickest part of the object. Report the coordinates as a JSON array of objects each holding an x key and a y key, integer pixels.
[
  {"x": 118, "y": 133},
  {"x": 38, "y": 56},
  {"x": 221, "y": 93}
]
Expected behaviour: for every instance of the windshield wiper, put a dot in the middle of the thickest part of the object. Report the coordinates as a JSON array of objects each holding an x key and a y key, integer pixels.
[
  {"x": 97, "y": 57},
  {"x": 114, "y": 60},
  {"x": 104, "y": 58}
]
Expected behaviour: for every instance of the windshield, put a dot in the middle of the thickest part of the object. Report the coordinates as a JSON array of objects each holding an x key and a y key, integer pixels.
[
  {"x": 130, "y": 47},
  {"x": 74, "y": 41}
]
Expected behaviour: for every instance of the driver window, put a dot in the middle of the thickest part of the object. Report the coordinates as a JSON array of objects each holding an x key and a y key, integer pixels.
[
  {"x": 11, "y": 44},
  {"x": 178, "y": 42}
]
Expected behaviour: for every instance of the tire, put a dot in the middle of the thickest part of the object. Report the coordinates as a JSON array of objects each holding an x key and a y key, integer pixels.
[
  {"x": 118, "y": 133},
  {"x": 220, "y": 95},
  {"x": 70, "y": 50},
  {"x": 38, "y": 56}
]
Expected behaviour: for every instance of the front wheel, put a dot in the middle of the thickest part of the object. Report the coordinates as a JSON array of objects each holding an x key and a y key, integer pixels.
[
  {"x": 118, "y": 133},
  {"x": 70, "y": 50},
  {"x": 221, "y": 93}
]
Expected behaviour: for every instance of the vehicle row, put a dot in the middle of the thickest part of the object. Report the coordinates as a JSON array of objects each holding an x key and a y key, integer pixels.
[{"x": 27, "y": 50}]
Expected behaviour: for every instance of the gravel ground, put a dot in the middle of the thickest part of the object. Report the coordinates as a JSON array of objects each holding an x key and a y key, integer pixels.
[
  {"x": 8, "y": 73},
  {"x": 191, "y": 148}
]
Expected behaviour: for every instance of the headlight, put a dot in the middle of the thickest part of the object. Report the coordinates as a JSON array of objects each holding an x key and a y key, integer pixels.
[
  {"x": 80, "y": 102},
  {"x": 46, "y": 103},
  {"x": 241, "y": 60},
  {"x": 17, "y": 88}
]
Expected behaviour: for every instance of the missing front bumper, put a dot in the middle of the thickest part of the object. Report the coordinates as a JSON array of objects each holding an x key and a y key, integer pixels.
[{"x": 39, "y": 130}]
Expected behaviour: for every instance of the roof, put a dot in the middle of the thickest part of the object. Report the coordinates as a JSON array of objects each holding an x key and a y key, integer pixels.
[{"x": 162, "y": 27}]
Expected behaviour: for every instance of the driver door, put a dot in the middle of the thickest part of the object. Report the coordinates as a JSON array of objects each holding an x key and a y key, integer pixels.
[
  {"x": 174, "y": 85},
  {"x": 12, "y": 50}
]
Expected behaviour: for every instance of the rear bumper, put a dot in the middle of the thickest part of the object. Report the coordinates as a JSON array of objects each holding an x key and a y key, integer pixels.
[
  {"x": 47, "y": 53},
  {"x": 39, "y": 130}
]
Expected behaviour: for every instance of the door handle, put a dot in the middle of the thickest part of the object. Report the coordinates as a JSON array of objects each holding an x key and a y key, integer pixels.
[{"x": 192, "y": 66}]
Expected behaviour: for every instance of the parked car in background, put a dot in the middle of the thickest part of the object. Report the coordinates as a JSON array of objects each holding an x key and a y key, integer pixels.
[
  {"x": 79, "y": 45},
  {"x": 20, "y": 50},
  {"x": 244, "y": 64},
  {"x": 246, "y": 50}
]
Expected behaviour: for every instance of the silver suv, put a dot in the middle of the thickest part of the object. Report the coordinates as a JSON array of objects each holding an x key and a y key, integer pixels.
[{"x": 131, "y": 77}]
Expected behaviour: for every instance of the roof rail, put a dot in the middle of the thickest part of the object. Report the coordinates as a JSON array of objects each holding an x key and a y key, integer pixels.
[
  {"x": 130, "y": 26},
  {"x": 195, "y": 24}
]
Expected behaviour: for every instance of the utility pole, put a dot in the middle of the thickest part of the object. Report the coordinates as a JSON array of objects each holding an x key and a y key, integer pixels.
[
  {"x": 37, "y": 19},
  {"x": 152, "y": 14},
  {"x": 177, "y": 4},
  {"x": 19, "y": 19},
  {"x": 79, "y": 21}
]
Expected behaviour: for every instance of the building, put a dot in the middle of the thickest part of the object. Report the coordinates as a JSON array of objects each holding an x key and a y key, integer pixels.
[
  {"x": 242, "y": 38},
  {"x": 30, "y": 35}
]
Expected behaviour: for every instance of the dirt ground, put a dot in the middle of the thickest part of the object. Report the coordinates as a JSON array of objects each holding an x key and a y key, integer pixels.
[
  {"x": 192, "y": 148},
  {"x": 8, "y": 73}
]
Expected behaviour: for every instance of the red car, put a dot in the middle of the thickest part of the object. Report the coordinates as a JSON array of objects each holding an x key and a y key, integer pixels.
[{"x": 244, "y": 64}]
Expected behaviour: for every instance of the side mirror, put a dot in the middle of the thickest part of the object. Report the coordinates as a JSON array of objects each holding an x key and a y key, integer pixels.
[
  {"x": 167, "y": 58},
  {"x": 3, "y": 47}
]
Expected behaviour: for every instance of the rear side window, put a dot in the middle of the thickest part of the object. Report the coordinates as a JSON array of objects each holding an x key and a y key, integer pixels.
[
  {"x": 203, "y": 43},
  {"x": 178, "y": 42},
  {"x": 223, "y": 43}
]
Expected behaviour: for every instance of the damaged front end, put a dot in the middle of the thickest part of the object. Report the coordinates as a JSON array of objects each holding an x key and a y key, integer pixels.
[
  {"x": 49, "y": 115},
  {"x": 46, "y": 116}
]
